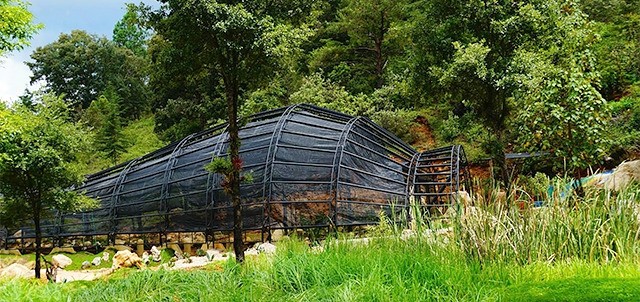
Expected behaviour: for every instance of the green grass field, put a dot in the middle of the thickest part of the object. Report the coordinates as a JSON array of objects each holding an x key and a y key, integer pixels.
[
  {"x": 577, "y": 248},
  {"x": 384, "y": 270}
]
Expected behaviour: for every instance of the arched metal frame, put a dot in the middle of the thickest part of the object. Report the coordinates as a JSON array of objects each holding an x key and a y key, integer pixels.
[{"x": 315, "y": 168}]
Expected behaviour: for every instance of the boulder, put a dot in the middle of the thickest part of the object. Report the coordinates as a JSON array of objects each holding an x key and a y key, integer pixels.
[
  {"x": 14, "y": 252},
  {"x": 61, "y": 260},
  {"x": 126, "y": 259},
  {"x": 16, "y": 270},
  {"x": 105, "y": 256},
  {"x": 277, "y": 235},
  {"x": 85, "y": 265},
  {"x": 64, "y": 249},
  {"x": 155, "y": 254},
  {"x": 219, "y": 246},
  {"x": 625, "y": 174},
  {"x": 96, "y": 261},
  {"x": 266, "y": 248},
  {"x": 176, "y": 248}
]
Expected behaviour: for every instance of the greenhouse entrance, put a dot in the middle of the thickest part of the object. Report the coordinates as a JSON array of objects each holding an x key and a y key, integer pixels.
[{"x": 311, "y": 168}]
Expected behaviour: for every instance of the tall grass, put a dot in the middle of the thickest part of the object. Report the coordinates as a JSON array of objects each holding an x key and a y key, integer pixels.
[
  {"x": 597, "y": 225},
  {"x": 575, "y": 248}
]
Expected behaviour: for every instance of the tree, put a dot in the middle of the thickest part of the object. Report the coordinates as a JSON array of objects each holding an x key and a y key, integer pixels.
[
  {"x": 16, "y": 25},
  {"x": 104, "y": 116},
  {"x": 239, "y": 43},
  {"x": 81, "y": 66},
  {"x": 130, "y": 32},
  {"x": 467, "y": 52},
  {"x": 38, "y": 150},
  {"x": 360, "y": 42},
  {"x": 560, "y": 109}
]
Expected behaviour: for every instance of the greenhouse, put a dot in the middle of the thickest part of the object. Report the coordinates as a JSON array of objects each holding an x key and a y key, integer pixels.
[{"x": 310, "y": 168}]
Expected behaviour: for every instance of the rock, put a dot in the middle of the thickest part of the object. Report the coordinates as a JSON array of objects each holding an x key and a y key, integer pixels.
[
  {"x": 266, "y": 248},
  {"x": 16, "y": 270},
  {"x": 126, "y": 259},
  {"x": 120, "y": 242},
  {"x": 61, "y": 260},
  {"x": 146, "y": 258},
  {"x": 199, "y": 238},
  {"x": 64, "y": 249},
  {"x": 176, "y": 248},
  {"x": 105, "y": 256},
  {"x": 155, "y": 254},
  {"x": 251, "y": 251},
  {"x": 625, "y": 174},
  {"x": 85, "y": 265},
  {"x": 10, "y": 252},
  {"x": 96, "y": 261},
  {"x": 88, "y": 244},
  {"x": 219, "y": 246},
  {"x": 277, "y": 235},
  {"x": 120, "y": 247}
]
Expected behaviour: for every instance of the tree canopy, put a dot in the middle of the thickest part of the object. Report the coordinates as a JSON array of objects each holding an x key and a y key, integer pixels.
[
  {"x": 16, "y": 25},
  {"x": 38, "y": 163},
  {"x": 81, "y": 66}
]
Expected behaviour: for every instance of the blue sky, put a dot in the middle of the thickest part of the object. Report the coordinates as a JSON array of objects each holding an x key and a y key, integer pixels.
[{"x": 58, "y": 16}]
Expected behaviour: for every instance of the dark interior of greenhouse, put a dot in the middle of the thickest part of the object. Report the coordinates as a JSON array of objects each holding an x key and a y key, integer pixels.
[{"x": 310, "y": 168}]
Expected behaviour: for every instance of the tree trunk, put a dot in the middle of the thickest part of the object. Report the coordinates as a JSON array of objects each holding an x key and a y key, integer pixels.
[
  {"x": 36, "y": 222},
  {"x": 231, "y": 88}
]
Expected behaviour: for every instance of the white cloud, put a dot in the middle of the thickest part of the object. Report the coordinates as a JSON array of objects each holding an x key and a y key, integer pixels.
[{"x": 14, "y": 78}]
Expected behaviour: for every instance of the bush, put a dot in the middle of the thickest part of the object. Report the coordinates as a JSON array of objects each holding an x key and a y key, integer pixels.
[{"x": 399, "y": 122}]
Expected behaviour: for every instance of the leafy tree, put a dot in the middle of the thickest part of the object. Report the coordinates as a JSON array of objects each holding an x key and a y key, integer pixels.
[
  {"x": 130, "y": 31},
  {"x": 470, "y": 52},
  {"x": 104, "y": 116},
  {"x": 360, "y": 42},
  {"x": 38, "y": 150},
  {"x": 16, "y": 25},
  {"x": 560, "y": 109},
  {"x": 81, "y": 66},
  {"x": 239, "y": 43}
]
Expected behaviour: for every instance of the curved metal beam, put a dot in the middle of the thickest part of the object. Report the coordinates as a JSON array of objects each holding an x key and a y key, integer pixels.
[
  {"x": 268, "y": 166},
  {"x": 335, "y": 172},
  {"x": 337, "y": 163},
  {"x": 115, "y": 196}
]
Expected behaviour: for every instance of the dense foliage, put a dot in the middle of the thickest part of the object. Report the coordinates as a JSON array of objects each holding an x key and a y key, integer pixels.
[
  {"x": 555, "y": 76},
  {"x": 39, "y": 150},
  {"x": 16, "y": 25}
]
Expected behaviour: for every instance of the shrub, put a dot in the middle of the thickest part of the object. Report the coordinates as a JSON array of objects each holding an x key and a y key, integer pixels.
[{"x": 399, "y": 122}]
